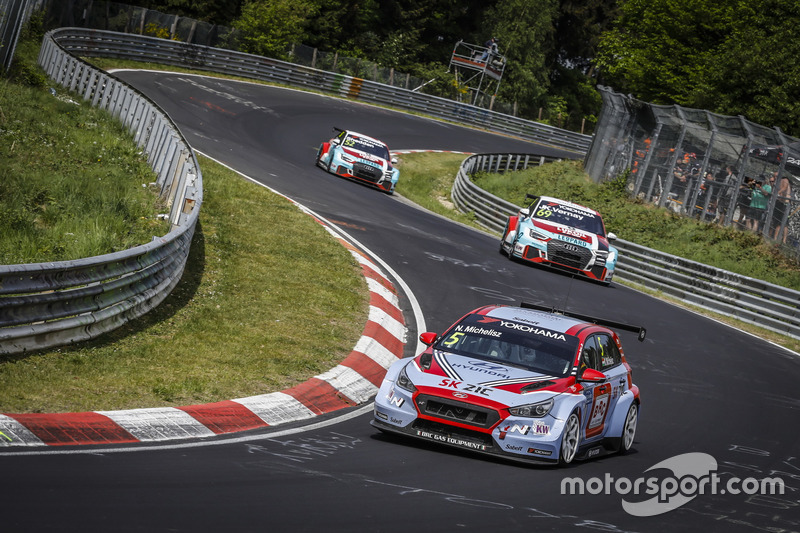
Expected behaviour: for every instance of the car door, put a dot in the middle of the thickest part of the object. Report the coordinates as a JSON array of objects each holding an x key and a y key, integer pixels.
[
  {"x": 616, "y": 373},
  {"x": 598, "y": 395}
]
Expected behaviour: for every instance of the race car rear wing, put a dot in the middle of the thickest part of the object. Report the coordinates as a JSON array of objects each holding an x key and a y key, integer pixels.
[{"x": 639, "y": 330}]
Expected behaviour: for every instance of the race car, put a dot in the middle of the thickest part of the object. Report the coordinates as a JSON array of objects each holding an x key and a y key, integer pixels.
[
  {"x": 523, "y": 383},
  {"x": 361, "y": 158},
  {"x": 561, "y": 234}
]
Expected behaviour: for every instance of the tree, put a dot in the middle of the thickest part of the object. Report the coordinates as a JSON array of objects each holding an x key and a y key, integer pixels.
[
  {"x": 525, "y": 32},
  {"x": 570, "y": 63},
  {"x": 269, "y": 27},
  {"x": 733, "y": 57}
]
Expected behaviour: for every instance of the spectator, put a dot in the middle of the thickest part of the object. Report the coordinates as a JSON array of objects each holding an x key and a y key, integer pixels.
[
  {"x": 491, "y": 49},
  {"x": 727, "y": 181},
  {"x": 743, "y": 202},
  {"x": 781, "y": 207},
  {"x": 707, "y": 199},
  {"x": 680, "y": 181},
  {"x": 758, "y": 203}
]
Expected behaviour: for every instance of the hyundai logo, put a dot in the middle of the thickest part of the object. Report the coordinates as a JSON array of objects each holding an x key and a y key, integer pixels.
[
  {"x": 487, "y": 366},
  {"x": 460, "y": 395}
]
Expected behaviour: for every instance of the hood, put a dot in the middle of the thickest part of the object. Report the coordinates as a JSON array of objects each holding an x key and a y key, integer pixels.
[
  {"x": 573, "y": 235},
  {"x": 487, "y": 380},
  {"x": 367, "y": 158}
]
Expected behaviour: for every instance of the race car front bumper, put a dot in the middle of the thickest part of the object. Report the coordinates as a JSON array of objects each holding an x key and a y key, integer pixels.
[{"x": 519, "y": 439}]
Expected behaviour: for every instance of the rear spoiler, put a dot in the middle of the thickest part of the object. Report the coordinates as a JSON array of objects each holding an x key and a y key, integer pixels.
[
  {"x": 639, "y": 330},
  {"x": 532, "y": 197}
]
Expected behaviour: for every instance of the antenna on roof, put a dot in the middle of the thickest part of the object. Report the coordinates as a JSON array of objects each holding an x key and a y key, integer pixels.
[{"x": 569, "y": 290}]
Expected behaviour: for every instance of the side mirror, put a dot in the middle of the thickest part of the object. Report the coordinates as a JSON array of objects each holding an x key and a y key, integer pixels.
[
  {"x": 611, "y": 236},
  {"x": 428, "y": 338},
  {"x": 592, "y": 375},
  {"x": 526, "y": 212},
  {"x": 335, "y": 141},
  {"x": 394, "y": 160}
]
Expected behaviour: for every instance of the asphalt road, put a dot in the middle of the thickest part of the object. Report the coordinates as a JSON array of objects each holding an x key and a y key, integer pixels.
[{"x": 705, "y": 387}]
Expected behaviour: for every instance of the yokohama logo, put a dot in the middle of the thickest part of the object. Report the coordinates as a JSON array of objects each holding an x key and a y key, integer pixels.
[{"x": 531, "y": 329}]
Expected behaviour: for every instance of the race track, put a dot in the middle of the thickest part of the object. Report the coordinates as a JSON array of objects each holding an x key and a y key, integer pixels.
[{"x": 705, "y": 387}]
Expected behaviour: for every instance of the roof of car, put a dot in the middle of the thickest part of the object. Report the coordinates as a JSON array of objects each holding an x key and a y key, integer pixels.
[{"x": 551, "y": 321}]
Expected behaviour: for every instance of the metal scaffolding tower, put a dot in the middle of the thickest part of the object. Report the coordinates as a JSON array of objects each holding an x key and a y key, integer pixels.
[{"x": 479, "y": 69}]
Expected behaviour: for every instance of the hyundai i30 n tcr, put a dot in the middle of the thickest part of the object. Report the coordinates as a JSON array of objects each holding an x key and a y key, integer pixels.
[
  {"x": 360, "y": 158},
  {"x": 517, "y": 382}
]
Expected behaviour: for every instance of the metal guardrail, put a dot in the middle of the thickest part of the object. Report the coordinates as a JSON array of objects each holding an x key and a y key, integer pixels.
[
  {"x": 88, "y": 43},
  {"x": 44, "y": 305},
  {"x": 749, "y": 300}
]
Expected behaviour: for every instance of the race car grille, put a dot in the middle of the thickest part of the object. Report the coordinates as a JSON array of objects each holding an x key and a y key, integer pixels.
[
  {"x": 457, "y": 411},
  {"x": 568, "y": 254},
  {"x": 367, "y": 172}
]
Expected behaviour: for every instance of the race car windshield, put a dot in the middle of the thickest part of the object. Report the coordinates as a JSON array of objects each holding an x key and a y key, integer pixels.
[
  {"x": 367, "y": 145},
  {"x": 518, "y": 344},
  {"x": 568, "y": 216}
]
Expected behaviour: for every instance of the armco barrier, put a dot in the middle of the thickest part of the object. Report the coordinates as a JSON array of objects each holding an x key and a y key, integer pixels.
[
  {"x": 44, "y": 305},
  {"x": 750, "y": 300},
  {"x": 88, "y": 43}
]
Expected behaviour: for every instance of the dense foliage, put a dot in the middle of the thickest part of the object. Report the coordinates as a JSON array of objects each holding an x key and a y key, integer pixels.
[{"x": 734, "y": 57}]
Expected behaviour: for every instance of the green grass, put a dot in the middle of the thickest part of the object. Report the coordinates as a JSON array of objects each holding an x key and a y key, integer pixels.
[
  {"x": 426, "y": 179},
  {"x": 72, "y": 182},
  {"x": 268, "y": 299}
]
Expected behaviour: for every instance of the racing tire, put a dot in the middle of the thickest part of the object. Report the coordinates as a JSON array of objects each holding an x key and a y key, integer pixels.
[
  {"x": 629, "y": 428},
  {"x": 503, "y": 240},
  {"x": 570, "y": 439}
]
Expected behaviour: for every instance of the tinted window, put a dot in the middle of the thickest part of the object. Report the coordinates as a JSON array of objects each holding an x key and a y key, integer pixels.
[
  {"x": 608, "y": 352},
  {"x": 514, "y": 343},
  {"x": 590, "y": 356},
  {"x": 568, "y": 216},
  {"x": 367, "y": 145}
]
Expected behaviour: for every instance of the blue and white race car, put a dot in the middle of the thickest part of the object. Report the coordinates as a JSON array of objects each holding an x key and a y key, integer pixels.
[
  {"x": 361, "y": 158},
  {"x": 522, "y": 383},
  {"x": 561, "y": 234}
]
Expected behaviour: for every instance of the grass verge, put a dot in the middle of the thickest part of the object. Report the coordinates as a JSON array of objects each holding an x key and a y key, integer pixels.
[{"x": 268, "y": 299}]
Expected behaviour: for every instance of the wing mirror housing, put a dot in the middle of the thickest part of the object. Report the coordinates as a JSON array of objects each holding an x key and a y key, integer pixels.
[
  {"x": 591, "y": 375},
  {"x": 525, "y": 212},
  {"x": 428, "y": 338},
  {"x": 611, "y": 236}
]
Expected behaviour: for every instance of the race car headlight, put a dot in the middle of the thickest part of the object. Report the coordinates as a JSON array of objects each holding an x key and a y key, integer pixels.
[
  {"x": 532, "y": 410},
  {"x": 403, "y": 382},
  {"x": 536, "y": 235},
  {"x": 347, "y": 158},
  {"x": 601, "y": 258}
]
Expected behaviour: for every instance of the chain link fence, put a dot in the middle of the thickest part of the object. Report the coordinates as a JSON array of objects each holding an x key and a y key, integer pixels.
[{"x": 721, "y": 169}]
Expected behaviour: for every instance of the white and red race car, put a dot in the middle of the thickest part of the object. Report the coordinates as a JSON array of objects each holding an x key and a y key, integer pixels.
[
  {"x": 361, "y": 158},
  {"x": 522, "y": 382},
  {"x": 561, "y": 234}
]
